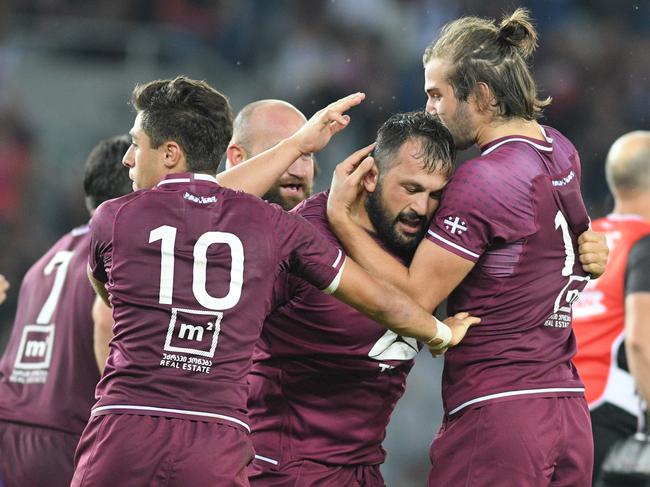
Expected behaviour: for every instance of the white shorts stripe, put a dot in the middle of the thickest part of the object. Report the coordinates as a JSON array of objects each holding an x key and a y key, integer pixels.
[
  {"x": 452, "y": 244},
  {"x": 266, "y": 459},
  {"x": 515, "y": 393},
  {"x": 169, "y": 410}
]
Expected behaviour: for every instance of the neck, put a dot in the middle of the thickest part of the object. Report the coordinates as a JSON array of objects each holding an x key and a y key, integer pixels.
[
  {"x": 361, "y": 216},
  {"x": 497, "y": 129},
  {"x": 634, "y": 205}
]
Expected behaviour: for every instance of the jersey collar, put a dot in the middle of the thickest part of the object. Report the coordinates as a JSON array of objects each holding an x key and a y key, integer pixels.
[
  {"x": 186, "y": 178},
  {"x": 542, "y": 145}
]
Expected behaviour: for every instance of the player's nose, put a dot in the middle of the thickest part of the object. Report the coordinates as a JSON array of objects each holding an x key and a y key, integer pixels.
[
  {"x": 128, "y": 159},
  {"x": 430, "y": 108},
  {"x": 301, "y": 168},
  {"x": 420, "y": 204}
]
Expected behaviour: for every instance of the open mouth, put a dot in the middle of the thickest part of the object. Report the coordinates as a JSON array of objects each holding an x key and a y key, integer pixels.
[{"x": 292, "y": 189}]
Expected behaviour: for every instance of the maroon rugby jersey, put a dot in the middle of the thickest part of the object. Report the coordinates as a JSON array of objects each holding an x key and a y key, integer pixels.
[
  {"x": 516, "y": 211},
  {"x": 325, "y": 377},
  {"x": 48, "y": 372},
  {"x": 190, "y": 268}
]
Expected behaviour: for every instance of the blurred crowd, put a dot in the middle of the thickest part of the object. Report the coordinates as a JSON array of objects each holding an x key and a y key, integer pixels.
[{"x": 592, "y": 60}]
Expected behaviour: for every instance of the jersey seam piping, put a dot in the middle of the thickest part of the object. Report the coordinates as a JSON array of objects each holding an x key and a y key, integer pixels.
[
  {"x": 171, "y": 410},
  {"x": 521, "y": 392}
]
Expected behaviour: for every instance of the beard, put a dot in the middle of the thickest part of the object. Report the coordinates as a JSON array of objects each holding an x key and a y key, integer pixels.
[
  {"x": 385, "y": 226},
  {"x": 287, "y": 203},
  {"x": 460, "y": 127}
]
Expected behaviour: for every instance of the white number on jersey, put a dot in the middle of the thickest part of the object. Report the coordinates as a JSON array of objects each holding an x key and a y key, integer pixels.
[
  {"x": 167, "y": 235},
  {"x": 567, "y": 296},
  {"x": 60, "y": 261}
]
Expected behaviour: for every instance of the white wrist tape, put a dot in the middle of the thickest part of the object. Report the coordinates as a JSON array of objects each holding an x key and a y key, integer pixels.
[{"x": 442, "y": 333}]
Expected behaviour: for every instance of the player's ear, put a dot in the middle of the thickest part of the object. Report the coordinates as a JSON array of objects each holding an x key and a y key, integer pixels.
[
  {"x": 484, "y": 97},
  {"x": 235, "y": 154},
  {"x": 173, "y": 154},
  {"x": 370, "y": 179}
]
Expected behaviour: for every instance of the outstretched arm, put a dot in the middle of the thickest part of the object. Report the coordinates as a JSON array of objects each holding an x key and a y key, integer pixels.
[
  {"x": 396, "y": 311},
  {"x": 259, "y": 173}
]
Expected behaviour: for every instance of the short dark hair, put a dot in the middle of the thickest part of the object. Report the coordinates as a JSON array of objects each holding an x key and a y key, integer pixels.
[
  {"x": 105, "y": 177},
  {"x": 437, "y": 150},
  {"x": 191, "y": 113}
]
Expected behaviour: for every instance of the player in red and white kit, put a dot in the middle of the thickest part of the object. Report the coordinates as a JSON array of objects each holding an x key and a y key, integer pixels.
[
  {"x": 48, "y": 372},
  {"x": 326, "y": 378},
  {"x": 610, "y": 318},
  {"x": 190, "y": 267},
  {"x": 505, "y": 241}
]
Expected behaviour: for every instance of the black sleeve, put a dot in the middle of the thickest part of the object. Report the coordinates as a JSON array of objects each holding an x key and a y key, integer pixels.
[{"x": 637, "y": 272}]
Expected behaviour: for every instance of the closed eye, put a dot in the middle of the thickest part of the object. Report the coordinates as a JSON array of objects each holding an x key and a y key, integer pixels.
[{"x": 413, "y": 189}]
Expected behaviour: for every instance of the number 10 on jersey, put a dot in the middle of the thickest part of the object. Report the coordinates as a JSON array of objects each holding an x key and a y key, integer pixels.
[{"x": 167, "y": 235}]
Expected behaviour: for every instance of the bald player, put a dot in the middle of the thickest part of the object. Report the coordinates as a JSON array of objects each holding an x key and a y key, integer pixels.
[
  {"x": 611, "y": 316},
  {"x": 261, "y": 125}
]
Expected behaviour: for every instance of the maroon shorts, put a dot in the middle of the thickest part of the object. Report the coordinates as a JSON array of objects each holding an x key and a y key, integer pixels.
[
  {"x": 128, "y": 449},
  {"x": 525, "y": 442},
  {"x": 30, "y": 455},
  {"x": 305, "y": 473}
]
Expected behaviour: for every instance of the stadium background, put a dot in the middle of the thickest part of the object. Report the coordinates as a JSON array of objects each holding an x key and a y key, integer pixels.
[{"x": 67, "y": 68}]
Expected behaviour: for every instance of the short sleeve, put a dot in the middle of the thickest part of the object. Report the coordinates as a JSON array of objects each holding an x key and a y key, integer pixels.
[
  {"x": 306, "y": 253},
  {"x": 101, "y": 231},
  {"x": 479, "y": 206},
  {"x": 637, "y": 271}
]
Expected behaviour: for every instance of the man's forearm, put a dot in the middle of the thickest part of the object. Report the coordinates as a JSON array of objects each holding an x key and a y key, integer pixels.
[
  {"x": 639, "y": 363},
  {"x": 365, "y": 251},
  {"x": 258, "y": 174},
  {"x": 637, "y": 340},
  {"x": 384, "y": 304}
]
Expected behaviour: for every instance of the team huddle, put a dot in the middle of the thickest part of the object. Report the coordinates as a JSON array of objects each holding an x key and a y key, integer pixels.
[{"x": 247, "y": 332}]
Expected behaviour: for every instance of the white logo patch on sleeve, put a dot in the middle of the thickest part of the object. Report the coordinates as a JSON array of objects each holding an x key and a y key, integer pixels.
[{"x": 455, "y": 225}]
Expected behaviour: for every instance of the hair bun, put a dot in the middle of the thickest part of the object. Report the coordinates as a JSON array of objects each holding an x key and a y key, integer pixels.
[{"x": 517, "y": 30}]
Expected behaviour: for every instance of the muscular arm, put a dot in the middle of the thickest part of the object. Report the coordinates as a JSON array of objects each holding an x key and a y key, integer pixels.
[
  {"x": 637, "y": 315},
  {"x": 257, "y": 174},
  {"x": 432, "y": 275},
  {"x": 393, "y": 308},
  {"x": 103, "y": 331}
]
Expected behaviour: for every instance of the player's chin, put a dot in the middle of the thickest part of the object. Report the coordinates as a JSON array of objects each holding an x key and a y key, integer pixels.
[
  {"x": 290, "y": 203},
  {"x": 408, "y": 240}
]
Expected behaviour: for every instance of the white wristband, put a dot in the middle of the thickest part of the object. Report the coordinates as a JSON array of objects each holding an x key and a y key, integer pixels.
[{"x": 442, "y": 333}]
